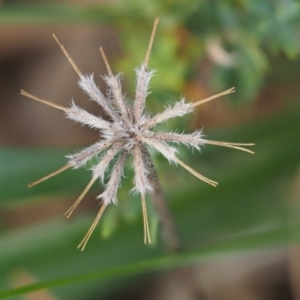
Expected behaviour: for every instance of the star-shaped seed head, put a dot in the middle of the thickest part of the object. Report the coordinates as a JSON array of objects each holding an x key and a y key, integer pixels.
[{"x": 128, "y": 132}]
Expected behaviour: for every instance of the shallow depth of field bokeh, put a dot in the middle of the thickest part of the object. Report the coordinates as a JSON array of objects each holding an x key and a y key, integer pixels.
[{"x": 241, "y": 238}]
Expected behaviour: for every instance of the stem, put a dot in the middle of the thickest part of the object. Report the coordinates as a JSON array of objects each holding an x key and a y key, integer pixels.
[
  {"x": 169, "y": 230},
  {"x": 186, "y": 275}
]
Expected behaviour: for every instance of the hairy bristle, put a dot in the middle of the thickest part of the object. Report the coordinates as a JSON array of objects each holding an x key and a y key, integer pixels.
[
  {"x": 81, "y": 116},
  {"x": 178, "y": 110},
  {"x": 88, "y": 85},
  {"x": 101, "y": 167},
  {"x": 191, "y": 140},
  {"x": 141, "y": 182},
  {"x": 115, "y": 90},
  {"x": 111, "y": 188},
  {"x": 167, "y": 151},
  {"x": 80, "y": 158},
  {"x": 141, "y": 92}
]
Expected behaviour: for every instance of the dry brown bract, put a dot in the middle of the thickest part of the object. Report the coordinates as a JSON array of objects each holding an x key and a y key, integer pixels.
[{"x": 127, "y": 133}]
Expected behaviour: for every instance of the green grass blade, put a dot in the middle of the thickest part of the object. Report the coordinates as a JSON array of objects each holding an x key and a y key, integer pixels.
[{"x": 157, "y": 264}]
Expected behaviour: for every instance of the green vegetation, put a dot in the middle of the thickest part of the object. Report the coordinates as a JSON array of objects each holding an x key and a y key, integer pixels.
[{"x": 249, "y": 209}]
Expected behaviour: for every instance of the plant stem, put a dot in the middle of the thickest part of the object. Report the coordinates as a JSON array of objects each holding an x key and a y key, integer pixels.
[
  {"x": 168, "y": 227},
  {"x": 184, "y": 275}
]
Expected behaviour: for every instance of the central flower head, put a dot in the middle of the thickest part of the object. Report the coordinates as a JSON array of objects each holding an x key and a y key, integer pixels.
[{"x": 128, "y": 133}]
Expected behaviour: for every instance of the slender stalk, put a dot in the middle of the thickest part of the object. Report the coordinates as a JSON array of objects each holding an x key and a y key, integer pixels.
[
  {"x": 106, "y": 62},
  {"x": 43, "y": 101},
  {"x": 170, "y": 233},
  {"x": 92, "y": 228},
  {"x": 67, "y": 166},
  {"x": 232, "y": 90},
  {"x": 150, "y": 43},
  {"x": 196, "y": 174},
  {"x": 231, "y": 145},
  {"x": 147, "y": 238},
  {"x": 160, "y": 204},
  {"x": 72, "y": 208},
  {"x": 68, "y": 56}
]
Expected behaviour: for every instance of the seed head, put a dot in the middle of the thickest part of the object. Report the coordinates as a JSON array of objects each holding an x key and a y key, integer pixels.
[{"x": 128, "y": 133}]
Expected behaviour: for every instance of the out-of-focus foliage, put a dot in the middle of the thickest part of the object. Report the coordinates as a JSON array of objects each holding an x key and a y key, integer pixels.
[
  {"x": 239, "y": 36},
  {"x": 250, "y": 206}
]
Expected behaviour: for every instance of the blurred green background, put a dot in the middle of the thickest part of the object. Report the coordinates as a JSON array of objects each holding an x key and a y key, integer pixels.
[{"x": 241, "y": 238}]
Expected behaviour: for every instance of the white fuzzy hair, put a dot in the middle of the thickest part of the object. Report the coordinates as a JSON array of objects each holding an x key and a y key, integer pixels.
[{"x": 126, "y": 132}]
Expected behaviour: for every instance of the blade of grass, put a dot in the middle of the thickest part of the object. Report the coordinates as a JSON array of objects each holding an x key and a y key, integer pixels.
[{"x": 156, "y": 264}]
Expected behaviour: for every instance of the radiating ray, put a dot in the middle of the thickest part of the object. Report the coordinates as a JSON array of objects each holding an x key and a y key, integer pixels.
[
  {"x": 67, "y": 166},
  {"x": 150, "y": 43},
  {"x": 231, "y": 145},
  {"x": 145, "y": 219},
  {"x": 72, "y": 208},
  {"x": 106, "y": 62},
  {"x": 232, "y": 90},
  {"x": 43, "y": 101},
  {"x": 68, "y": 56},
  {"x": 92, "y": 228},
  {"x": 199, "y": 176},
  {"x": 116, "y": 90}
]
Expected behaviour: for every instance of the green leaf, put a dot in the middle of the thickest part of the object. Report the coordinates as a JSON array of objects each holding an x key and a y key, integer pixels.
[{"x": 161, "y": 263}]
